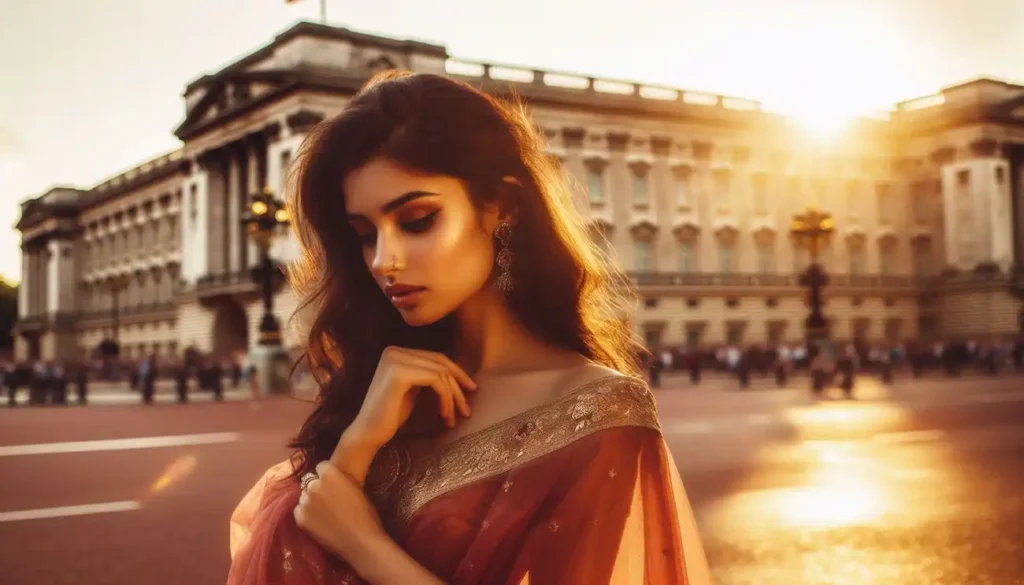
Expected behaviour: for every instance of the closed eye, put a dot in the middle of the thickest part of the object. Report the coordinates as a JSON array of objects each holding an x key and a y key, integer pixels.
[{"x": 421, "y": 224}]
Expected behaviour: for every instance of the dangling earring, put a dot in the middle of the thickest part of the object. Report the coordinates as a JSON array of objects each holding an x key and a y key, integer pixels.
[{"x": 503, "y": 233}]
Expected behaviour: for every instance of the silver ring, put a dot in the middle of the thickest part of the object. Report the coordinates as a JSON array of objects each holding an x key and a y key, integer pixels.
[{"x": 307, "y": 479}]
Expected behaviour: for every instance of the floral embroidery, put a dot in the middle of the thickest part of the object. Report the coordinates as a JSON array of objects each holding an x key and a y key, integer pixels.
[
  {"x": 611, "y": 472},
  {"x": 553, "y": 525},
  {"x": 485, "y": 525},
  {"x": 404, "y": 477},
  {"x": 287, "y": 564}
]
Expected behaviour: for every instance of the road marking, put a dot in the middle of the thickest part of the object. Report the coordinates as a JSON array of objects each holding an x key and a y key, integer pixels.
[
  {"x": 900, "y": 438},
  {"x": 758, "y": 419},
  {"x": 119, "y": 444},
  {"x": 66, "y": 511}
]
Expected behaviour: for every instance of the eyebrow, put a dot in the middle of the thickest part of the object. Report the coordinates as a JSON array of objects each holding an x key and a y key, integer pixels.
[{"x": 396, "y": 203}]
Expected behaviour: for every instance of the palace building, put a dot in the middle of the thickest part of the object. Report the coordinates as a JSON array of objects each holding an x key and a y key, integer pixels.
[{"x": 692, "y": 192}]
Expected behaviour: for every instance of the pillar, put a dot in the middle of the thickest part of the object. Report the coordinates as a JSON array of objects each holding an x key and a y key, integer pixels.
[
  {"x": 215, "y": 166},
  {"x": 254, "y": 184},
  {"x": 25, "y": 287},
  {"x": 236, "y": 158}
]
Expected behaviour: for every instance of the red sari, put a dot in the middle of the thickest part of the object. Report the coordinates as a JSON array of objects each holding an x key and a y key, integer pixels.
[{"x": 579, "y": 491}]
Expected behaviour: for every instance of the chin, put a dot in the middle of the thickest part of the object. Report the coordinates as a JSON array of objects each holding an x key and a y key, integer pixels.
[{"x": 419, "y": 316}]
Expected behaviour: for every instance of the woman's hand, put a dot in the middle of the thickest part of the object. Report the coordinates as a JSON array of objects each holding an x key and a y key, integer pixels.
[
  {"x": 401, "y": 375},
  {"x": 336, "y": 513}
]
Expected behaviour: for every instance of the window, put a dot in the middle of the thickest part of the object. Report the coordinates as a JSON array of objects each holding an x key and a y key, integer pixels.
[
  {"x": 286, "y": 162},
  {"x": 642, "y": 260},
  {"x": 193, "y": 205},
  {"x": 640, "y": 187},
  {"x": 760, "y": 186},
  {"x": 595, "y": 184},
  {"x": 727, "y": 257},
  {"x": 882, "y": 196},
  {"x": 682, "y": 188},
  {"x": 922, "y": 258},
  {"x": 887, "y": 259},
  {"x": 765, "y": 258},
  {"x": 722, "y": 194},
  {"x": 734, "y": 333},
  {"x": 652, "y": 336},
  {"x": 686, "y": 258},
  {"x": 801, "y": 258},
  {"x": 963, "y": 179},
  {"x": 693, "y": 334},
  {"x": 856, "y": 260},
  {"x": 852, "y": 195}
]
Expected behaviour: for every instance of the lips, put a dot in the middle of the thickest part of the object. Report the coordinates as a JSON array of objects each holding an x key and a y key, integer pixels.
[{"x": 403, "y": 295}]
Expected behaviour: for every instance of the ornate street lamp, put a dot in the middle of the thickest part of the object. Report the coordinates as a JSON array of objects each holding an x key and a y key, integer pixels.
[
  {"x": 812, "y": 230},
  {"x": 266, "y": 218}
]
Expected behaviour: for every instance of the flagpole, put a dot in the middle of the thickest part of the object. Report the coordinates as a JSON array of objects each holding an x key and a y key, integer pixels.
[{"x": 323, "y": 11}]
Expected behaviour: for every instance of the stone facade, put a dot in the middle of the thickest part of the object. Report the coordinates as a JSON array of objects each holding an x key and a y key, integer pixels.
[{"x": 691, "y": 193}]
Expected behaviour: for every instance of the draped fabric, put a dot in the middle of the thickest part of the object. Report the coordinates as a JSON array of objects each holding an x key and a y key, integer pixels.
[{"x": 580, "y": 491}]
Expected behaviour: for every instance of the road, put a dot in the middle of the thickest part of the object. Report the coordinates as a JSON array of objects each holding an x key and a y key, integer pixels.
[{"x": 917, "y": 483}]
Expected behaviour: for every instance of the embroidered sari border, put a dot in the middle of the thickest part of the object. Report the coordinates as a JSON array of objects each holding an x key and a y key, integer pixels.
[{"x": 604, "y": 403}]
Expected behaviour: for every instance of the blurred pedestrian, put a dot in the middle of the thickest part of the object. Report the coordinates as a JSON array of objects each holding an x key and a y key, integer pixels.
[
  {"x": 146, "y": 377},
  {"x": 82, "y": 381}
]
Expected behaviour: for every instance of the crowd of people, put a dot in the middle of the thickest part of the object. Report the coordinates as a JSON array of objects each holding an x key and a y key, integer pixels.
[
  {"x": 49, "y": 382},
  {"x": 948, "y": 357}
]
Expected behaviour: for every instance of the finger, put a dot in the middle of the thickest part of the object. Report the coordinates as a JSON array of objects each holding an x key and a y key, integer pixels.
[
  {"x": 447, "y": 362},
  {"x": 444, "y": 394},
  {"x": 427, "y": 372},
  {"x": 459, "y": 395}
]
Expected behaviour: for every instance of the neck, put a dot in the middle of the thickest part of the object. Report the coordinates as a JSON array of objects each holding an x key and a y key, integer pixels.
[{"x": 490, "y": 338}]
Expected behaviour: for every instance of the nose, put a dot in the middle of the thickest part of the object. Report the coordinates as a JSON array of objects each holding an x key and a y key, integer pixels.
[{"x": 387, "y": 258}]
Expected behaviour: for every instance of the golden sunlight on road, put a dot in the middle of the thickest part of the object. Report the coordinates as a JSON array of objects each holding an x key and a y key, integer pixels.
[{"x": 179, "y": 469}]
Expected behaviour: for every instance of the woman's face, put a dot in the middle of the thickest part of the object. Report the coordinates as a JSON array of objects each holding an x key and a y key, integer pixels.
[{"x": 426, "y": 245}]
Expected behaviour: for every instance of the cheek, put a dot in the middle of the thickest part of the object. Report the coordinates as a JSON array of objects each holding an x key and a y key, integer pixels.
[{"x": 459, "y": 252}]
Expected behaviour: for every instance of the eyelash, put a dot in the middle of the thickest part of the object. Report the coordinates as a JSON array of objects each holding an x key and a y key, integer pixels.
[{"x": 415, "y": 226}]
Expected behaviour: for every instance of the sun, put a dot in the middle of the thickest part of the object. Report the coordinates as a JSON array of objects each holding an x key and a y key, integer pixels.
[{"x": 821, "y": 125}]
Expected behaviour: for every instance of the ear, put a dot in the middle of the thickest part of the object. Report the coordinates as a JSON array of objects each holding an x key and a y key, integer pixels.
[
  {"x": 505, "y": 206},
  {"x": 508, "y": 199}
]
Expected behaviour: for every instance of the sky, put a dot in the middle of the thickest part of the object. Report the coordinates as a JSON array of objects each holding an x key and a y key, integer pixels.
[{"x": 89, "y": 88}]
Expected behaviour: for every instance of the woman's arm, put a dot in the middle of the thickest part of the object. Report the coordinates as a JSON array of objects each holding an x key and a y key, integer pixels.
[
  {"x": 383, "y": 562},
  {"x": 335, "y": 511}
]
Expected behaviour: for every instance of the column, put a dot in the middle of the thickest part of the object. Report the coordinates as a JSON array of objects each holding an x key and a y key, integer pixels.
[
  {"x": 256, "y": 162},
  {"x": 214, "y": 165},
  {"x": 44, "y": 283},
  {"x": 24, "y": 290},
  {"x": 236, "y": 158},
  {"x": 1016, "y": 176}
]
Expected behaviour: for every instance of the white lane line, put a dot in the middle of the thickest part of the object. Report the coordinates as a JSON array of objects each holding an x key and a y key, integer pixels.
[
  {"x": 119, "y": 444},
  {"x": 65, "y": 511},
  {"x": 758, "y": 419},
  {"x": 921, "y": 436}
]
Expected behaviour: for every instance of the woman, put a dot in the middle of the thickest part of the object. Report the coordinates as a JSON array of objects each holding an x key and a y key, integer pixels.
[{"x": 438, "y": 241}]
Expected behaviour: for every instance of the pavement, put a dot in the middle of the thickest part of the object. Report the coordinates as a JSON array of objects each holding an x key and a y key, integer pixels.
[{"x": 912, "y": 483}]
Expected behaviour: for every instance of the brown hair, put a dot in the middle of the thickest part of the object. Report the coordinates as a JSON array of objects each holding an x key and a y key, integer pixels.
[{"x": 566, "y": 291}]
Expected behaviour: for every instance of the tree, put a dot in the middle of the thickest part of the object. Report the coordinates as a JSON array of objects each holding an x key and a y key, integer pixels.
[{"x": 8, "y": 312}]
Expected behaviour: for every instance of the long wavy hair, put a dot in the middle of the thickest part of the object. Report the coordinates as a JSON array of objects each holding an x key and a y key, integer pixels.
[{"x": 567, "y": 293}]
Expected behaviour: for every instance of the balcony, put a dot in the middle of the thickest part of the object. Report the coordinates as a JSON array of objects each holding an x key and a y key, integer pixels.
[
  {"x": 144, "y": 311},
  {"x": 216, "y": 285},
  {"x": 710, "y": 280}
]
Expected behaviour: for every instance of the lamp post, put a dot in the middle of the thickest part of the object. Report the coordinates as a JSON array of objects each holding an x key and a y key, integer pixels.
[
  {"x": 265, "y": 219},
  {"x": 813, "y": 230}
]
